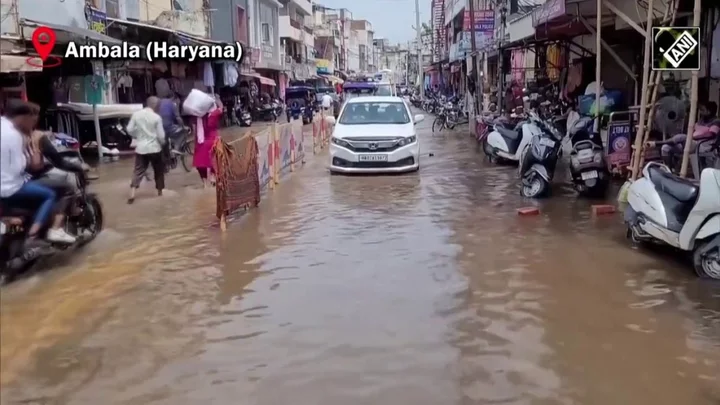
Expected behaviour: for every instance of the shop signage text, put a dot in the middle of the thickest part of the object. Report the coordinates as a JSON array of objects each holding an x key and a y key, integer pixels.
[
  {"x": 549, "y": 11},
  {"x": 484, "y": 21},
  {"x": 96, "y": 19}
]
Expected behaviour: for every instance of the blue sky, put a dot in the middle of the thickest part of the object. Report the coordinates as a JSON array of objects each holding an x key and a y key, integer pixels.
[{"x": 392, "y": 19}]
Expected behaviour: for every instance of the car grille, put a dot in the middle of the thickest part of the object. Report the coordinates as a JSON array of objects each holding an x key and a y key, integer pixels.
[
  {"x": 409, "y": 161},
  {"x": 373, "y": 144}
]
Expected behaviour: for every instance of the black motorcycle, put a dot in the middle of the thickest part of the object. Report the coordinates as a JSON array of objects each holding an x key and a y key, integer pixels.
[
  {"x": 84, "y": 220},
  {"x": 539, "y": 159}
]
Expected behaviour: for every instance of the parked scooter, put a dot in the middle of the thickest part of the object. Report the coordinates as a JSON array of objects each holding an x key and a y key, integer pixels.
[
  {"x": 667, "y": 209},
  {"x": 588, "y": 168},
  {"x": 539, "y": 158},
  {"x": 507, "y": 141}
]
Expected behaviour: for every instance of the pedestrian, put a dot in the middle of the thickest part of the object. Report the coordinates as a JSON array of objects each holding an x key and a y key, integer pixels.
[
  {"x": 146, "y": 127},
  {"x": 327, "y": 102},
  {"x": 205, "y": 135}
]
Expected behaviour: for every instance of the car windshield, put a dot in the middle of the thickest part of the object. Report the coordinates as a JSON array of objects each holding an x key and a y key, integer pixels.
[
  {"x": 384, "y": 90},
  {"x": 375, "y": 113}
]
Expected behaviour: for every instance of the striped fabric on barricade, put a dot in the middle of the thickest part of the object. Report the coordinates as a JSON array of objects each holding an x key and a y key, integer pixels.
[{"x": 254, "y": 163}]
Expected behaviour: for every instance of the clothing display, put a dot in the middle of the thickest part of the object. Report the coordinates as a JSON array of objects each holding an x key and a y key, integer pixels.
[
  {"x": 208, "y": 75},
  {"x": 94, "y": 86},
  {"x": 125, "y": 89},
  {"x": 230, "y": 74}
]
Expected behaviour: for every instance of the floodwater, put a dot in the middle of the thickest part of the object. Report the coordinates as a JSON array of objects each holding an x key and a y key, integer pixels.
[{"x": 417, "y": 289}]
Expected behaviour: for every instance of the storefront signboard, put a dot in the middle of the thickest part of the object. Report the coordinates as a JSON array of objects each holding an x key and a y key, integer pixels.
[
  {"x": 96, "y": 19},
  {"x": 323, "y": 67},
  {"x": 549, "y": 11},
  {"x": 619, "y": 140},
  {"x": 484, "y": 21}
]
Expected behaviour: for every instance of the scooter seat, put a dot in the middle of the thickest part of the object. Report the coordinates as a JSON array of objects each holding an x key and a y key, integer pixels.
[
  {"x": 679, "y": 188},
  {"x": 508, "y": 133}
]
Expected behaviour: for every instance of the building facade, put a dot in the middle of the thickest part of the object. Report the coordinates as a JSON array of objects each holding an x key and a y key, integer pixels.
[{"x": 298, "y": 39}]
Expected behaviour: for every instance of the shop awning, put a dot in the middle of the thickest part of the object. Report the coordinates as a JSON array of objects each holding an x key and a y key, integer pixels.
[
  {"x": 333, "y": 79},
  {"x": 72, "y": 32},
  {"x": 15, "y": 63},
  {"x": 263, "y": 80}
]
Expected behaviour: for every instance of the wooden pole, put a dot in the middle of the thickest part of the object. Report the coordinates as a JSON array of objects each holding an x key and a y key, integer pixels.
[
  {"x": 640, "y": 136},
  {"x": 598, "y": 63},
  {"x": 656, "y": 76},
  {"x": 693, "y": 102}
]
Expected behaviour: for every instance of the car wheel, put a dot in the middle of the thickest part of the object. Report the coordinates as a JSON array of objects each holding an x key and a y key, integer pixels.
[{"x": 707, "y": 264}]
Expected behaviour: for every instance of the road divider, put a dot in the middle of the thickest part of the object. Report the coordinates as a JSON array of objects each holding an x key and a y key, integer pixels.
[{"x": 254, "y": 163}]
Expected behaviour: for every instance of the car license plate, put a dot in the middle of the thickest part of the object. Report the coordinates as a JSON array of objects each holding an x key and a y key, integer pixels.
[
  {"x": 373, "y": 158},
  {"x": 547, "y": 142},
  {"x": 589, "y": 175}
]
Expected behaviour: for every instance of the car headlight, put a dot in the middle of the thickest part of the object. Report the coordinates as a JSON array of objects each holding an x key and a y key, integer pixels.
[
  {"x": 407, "y": 141},
  {"x": 339, "y": 142}
]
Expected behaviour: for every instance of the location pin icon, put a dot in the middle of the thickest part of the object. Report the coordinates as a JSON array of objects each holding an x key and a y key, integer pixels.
[{"x": 43, "y": 40}]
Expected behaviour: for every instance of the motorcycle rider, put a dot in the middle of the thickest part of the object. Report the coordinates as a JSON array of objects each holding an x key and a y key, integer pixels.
[
  {"x": 20, "y": 153},
  {"x": 56, "y": 172},
  {"x": 672, "y": 149}
]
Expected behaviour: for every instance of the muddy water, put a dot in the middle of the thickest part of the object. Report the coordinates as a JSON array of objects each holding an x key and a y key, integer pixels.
[{"x": 419, "y": 289}]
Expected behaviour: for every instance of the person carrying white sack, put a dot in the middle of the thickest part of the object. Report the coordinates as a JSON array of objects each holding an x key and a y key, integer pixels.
[{"x": 207, "y": 112}]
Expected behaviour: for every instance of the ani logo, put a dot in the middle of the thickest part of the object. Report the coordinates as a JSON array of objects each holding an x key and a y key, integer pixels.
[{"x": 620, "y": 143}]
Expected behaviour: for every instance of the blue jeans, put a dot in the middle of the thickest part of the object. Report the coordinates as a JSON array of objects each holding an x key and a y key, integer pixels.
[{"x": 35, "y": 193}]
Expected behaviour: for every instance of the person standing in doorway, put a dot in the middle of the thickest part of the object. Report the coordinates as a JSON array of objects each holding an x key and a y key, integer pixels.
[
  {"x": 206, "y": 131},
  {"x": 146, "y": 127}
]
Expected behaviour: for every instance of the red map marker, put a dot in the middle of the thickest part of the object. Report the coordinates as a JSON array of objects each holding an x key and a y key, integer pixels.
[{"x": 43, "y": 40}]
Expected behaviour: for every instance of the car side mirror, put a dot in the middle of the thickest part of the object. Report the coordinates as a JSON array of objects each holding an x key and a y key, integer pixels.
[
  {"x": 419, "y": 118},
  {"x": 330, "y": 120}
]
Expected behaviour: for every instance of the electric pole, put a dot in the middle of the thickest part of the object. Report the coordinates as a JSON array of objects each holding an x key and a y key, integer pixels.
[{"x": 419, "y": 46}]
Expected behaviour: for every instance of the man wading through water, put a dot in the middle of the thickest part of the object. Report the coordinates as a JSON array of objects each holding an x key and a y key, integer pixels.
[{"x": 146, "y": 127}]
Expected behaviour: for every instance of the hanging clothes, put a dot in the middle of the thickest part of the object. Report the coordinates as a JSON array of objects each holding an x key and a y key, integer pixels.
[
  {"x": 162, "y": 88},
  {"x": 518, "y": 64},
  {"x": 177, "y": 69},
  {"x": 230, "y": 74},
  {"x": 125, "y": 89},
  {"x": 208, "y": 75},
  {"x": 554, "y": 62}
]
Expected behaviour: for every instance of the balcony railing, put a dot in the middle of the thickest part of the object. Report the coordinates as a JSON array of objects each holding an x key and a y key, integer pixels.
[{"x": 297, "y": 24}]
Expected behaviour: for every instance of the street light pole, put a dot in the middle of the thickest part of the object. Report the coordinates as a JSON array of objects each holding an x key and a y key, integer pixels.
[{"x": 419, "y": 46}]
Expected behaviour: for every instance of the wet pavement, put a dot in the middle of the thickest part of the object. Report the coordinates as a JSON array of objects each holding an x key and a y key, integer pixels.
[{"x": 418, "y": 289}]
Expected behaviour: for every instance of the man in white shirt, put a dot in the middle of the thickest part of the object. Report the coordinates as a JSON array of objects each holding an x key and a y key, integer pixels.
[
  {"x": 146, "y": 128},
  {"x": 327, "y": 101},
  {"x": 16, "y": 188}
]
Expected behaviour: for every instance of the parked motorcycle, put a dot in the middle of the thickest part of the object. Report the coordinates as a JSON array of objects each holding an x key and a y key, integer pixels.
[
  {"x": 670, "y": 210},
  {"x": 588, "y": 167},
  {"x": 84, "y": 219},
  {"x": 539, "y": 158}
]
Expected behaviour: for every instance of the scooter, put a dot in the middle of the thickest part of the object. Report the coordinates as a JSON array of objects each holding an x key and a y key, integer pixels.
[
  {"x": 505, "y": 143},
  {"x": 539, "y": 158},
  {"x": 667, "y": 209},
  {"x": 588, "y": 168}
]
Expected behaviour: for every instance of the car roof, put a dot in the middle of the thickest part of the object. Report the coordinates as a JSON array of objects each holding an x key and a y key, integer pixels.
[{"x": 375, "y": 99}]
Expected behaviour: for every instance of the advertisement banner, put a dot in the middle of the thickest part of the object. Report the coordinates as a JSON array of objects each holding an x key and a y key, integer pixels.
[
  {"x": 619, "y": 141},
  {"x": 484, "y": 21},
  {"x": 285, "y": 142},
  {"x": 298, "y": 143},
  {"x": 265, "y": 157}
]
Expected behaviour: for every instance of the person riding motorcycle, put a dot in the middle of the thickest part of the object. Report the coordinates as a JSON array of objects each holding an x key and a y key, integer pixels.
[{"x": 57, "y": 172}]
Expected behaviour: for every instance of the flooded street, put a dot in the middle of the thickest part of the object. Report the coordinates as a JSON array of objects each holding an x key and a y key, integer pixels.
[{"x": 422, "y": 289}]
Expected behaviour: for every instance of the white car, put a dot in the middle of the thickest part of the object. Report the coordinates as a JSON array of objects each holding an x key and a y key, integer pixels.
[{"x": 375, "y": 135}]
